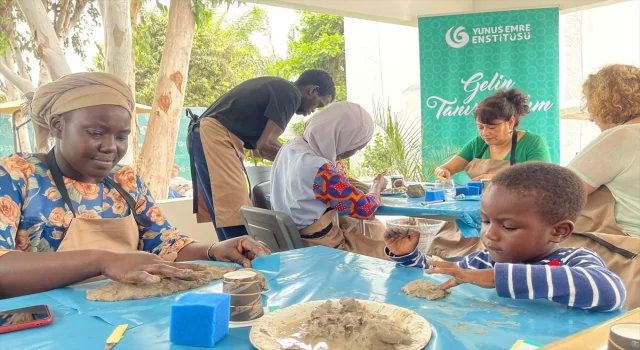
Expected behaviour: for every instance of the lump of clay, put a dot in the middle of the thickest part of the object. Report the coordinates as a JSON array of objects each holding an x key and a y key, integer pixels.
[
  {"x": 349, "y": 323},
  {"x": 115, "y": 291},
  {"x": 424, "y": 289},
  {"x": 415, "y": 191}
]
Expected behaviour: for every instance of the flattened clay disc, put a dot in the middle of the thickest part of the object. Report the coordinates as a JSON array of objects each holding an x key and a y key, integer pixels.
[{"x": 265, "y": 332}]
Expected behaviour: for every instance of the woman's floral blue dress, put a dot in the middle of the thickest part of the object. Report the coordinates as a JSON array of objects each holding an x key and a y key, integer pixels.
[{"x": 33, "y": 215}]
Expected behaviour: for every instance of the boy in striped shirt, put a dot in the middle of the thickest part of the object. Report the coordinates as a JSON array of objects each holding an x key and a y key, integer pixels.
[{"x": 526, "y": 211}]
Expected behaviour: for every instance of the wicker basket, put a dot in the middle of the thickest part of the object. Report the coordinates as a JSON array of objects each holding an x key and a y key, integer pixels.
[{"x": 428, "y": 229}]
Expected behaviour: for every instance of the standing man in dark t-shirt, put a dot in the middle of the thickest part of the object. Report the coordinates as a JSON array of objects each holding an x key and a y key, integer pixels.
[{"x": 252, "y": 115}]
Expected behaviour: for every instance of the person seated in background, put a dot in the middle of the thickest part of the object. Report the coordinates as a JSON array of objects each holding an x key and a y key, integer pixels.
[
  {"x": 610, "y": 165},
  {"x": 179, "y": 187},
  {"x": 527, "y": 210},
  {"x": 306, "y": 185},
  {"x": 74, "y": 214},
  {"x": 500, "y": 143},
  {"x": 499, "y": 146}
]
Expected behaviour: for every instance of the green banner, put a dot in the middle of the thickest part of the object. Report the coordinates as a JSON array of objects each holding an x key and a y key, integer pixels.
[{"x": 466, "y": 58}]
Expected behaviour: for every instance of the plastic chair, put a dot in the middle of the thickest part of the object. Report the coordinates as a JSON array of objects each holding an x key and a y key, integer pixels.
[
  {"x": 260, "y": 193},
  {"x": 274, "y": 229}
]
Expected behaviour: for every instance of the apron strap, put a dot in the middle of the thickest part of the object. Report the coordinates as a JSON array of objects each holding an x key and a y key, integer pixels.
[
  {"x": 194, "y": 126},
  {"x": 514, "y": 143},
  {"x": 58, "y": 180},
  {"x": 56, "y": 173},
  {"x": 130, "y": 202},
  {"x": 625, "y": 253},
  {"x": 482, "y": 150}
]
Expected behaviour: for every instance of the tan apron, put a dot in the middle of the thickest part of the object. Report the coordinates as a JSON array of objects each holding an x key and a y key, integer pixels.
[
  {"x": 449, "y": 241},
  {"x": 118, "y": 234},
  {"x": 224, "y": 154},
  {"x": 619, "y": 251},
  {"x": 598, "y": 214},
  {"x": 327, "y": 232},
  {"x": 620, "y": 254}
]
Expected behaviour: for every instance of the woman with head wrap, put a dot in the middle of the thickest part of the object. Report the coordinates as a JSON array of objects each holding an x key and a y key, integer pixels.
[
  {"x": 74, "y": 214},
  {"x": 306, "y": 185}
]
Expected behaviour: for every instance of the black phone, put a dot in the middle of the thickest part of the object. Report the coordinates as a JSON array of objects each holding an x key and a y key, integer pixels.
[{"x": 25, "y": 318}]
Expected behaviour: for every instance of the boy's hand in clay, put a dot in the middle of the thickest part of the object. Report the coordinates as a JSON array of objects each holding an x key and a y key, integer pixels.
[
  {"x": 482, "y": 278},
  {"x": 240, "y": 250},
  {"x": 143, "y": 267},
  {"x": 401, "y": 242}
]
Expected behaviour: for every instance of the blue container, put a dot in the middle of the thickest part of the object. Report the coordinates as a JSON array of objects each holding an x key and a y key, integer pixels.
[
  {"x": 434, "y": 196},
  {"x": 462, "y": 190},
  {"x": 474, "y": 191},
  {"x": 477, "y": 184}
]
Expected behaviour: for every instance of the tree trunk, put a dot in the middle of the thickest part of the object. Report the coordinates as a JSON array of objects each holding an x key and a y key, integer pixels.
[
  {"x": 17, "y": 81},
  {"x": 42, "y": 135},
  {"x": 44, "y": 35},
  {"x": 159, "y": 146},
  {"x": 116, "y": 20},
  {"x": 134, "y": 144},
  {"x": 22, "y": 142}
]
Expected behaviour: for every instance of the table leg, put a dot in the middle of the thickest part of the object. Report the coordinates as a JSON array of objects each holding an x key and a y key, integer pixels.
[{"x": 363, "y": 227}]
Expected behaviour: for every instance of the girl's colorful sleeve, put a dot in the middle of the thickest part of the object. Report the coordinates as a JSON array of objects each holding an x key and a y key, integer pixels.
[
  {"x": 159, "y": 237},
  {"x": 12, "y": 180},
  {"x": 333, "y": 189}
]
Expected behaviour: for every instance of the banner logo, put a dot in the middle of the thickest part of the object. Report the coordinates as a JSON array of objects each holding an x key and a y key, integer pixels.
[{"x": 458, "y": 39}]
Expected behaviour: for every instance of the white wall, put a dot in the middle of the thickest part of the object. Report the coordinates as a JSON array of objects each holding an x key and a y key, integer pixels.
[
  {"x": 179, "y": 214},
  {"x": 383, "y": 66},
  {"x": 383, "y": 62}
]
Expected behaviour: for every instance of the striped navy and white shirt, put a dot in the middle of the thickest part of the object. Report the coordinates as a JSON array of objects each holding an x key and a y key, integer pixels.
[{"x": 576, "y": 277}]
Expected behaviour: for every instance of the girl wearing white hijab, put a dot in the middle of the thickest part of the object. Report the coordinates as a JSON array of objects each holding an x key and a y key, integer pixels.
[{"x": 306, "y": 185}]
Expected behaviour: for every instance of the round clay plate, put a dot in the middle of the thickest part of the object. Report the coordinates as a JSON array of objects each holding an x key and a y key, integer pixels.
[{"x": 264, "y": 333}]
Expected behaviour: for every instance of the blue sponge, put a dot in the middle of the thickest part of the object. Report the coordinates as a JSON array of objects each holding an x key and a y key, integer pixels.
[
  {"x": 462, "y": 190},
  {"x": 477, "y": 184},
  {"x": 200, "y": 319},
  {"x": 474, "y": 191},
  {"x": 434, "y": 195}
]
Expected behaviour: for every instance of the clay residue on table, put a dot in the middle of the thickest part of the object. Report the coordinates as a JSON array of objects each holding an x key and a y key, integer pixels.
[
  {"x": 115, "y": 291},
  {"x": 424, "y": 289},
  {"x": 348, "y": 325},
  {"x": 509, "y": 324},
  {"x": 463, "y": 328}
]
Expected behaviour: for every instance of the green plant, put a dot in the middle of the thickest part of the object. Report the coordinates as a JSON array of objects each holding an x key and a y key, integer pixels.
[
  {"x": 298, "y": 128},
  {"x": 397, "y": 149}
]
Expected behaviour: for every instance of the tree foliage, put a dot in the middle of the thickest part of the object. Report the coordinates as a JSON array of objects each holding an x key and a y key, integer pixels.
[
  {"x": 222, "y": 55},
  {"x": 316, "y": 43}
]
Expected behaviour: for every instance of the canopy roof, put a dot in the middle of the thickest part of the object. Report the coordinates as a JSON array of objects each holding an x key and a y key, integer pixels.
[{"x": 407, "y": 11}]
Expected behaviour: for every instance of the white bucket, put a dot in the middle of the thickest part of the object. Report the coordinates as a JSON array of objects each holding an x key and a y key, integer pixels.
[{"x": 428, "y": 229}]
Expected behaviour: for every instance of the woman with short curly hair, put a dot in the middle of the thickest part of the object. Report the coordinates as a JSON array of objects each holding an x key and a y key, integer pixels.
[{"x": 610, "y": 165}]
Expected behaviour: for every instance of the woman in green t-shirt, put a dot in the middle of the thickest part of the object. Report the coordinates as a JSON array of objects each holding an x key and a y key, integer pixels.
[{"x": 499, "y": 144}]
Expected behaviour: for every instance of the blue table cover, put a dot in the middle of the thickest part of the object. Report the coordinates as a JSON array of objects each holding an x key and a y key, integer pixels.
[
  {"x": 469, "y": 318},
  {"x": 465, "y": 213}
]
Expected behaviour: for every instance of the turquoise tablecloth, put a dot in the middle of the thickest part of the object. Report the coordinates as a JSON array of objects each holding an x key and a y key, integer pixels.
[
  {"x": 469, "y": 318},
  {"x": 465, "y": 213}
]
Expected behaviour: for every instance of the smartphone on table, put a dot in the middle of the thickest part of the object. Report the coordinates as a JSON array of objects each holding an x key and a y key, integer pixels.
[{"x": 25, "y": 318}]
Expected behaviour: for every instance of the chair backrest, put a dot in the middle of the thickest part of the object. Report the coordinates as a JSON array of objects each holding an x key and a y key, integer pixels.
[
  {"x": 275, "y": 229},
  {"x": 258, "y": 174},
  {"x": 260, "y": 192}
]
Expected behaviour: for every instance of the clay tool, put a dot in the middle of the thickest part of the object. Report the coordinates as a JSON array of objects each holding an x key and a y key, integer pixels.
[
  {"x": 433, "y": 203},
  {"x": 268, "y": 265},
  {"x": 116, "y": 336}
]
